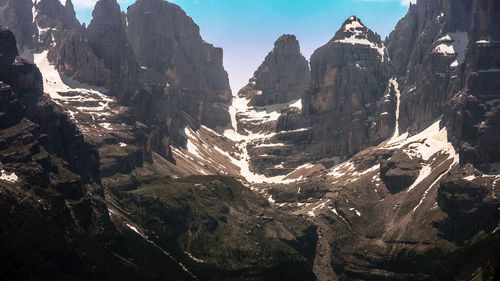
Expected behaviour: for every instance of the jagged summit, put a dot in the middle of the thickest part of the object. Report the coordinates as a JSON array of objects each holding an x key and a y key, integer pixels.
[
  {"x": 108, "y": 40},
  {"x": 287, "y": 43},
  {"x": 355, "y": 32},
  {"x": 371, "y": 168},
  {"x": 282, "y": 77}
]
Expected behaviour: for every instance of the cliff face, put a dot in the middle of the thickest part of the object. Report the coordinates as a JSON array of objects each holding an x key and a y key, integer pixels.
[
  {"x": 41, "y": 150},
  {"x": 283, "y": 76},
  {"x": 473, "y": 114},
  {"x": 175, "y": 78},
  {"x": 407, "y": 206},
  {"x": 59, "y": 32},
  {"x": 108, "y": 40},
  {"x": 428, "y": 49},
  {"x": 167, "y": 41},
  {"x": 34, "y": 124},
  {"x": 445, "y": 54},
  {"x": 12, "y": 14},
  {"x": 348, "y": 79}
]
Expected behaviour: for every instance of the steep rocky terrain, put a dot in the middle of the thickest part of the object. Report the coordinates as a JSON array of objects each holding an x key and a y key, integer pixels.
[
  {"x": 404, "y": 129},
  {"x": 112, "y": 54},
  {"x": 59, "y": 221},
  {"x": 283, "y": 76},
  {"x": 346, "y": 101},
  {"x": 108, "y": 40},
  {"x": 380, "y": 162},
  {"x": 54, "y": 221},
  {"x": 189, "y": 70},
  {"x": 473, "y": 112}
]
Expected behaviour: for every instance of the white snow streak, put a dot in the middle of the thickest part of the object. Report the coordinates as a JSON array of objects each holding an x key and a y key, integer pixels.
[
  {"x": 257, "y": 115},
  {"x": 89, "y": 99},
  {"x": 312, "y": 212},
  {"x": 395, "y": 84}
]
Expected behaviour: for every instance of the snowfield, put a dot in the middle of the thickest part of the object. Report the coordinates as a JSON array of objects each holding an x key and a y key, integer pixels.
[{"x": 66, "y": 91}]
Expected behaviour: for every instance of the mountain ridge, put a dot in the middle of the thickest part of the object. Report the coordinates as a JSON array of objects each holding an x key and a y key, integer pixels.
[{"x": 378, "y": 163}]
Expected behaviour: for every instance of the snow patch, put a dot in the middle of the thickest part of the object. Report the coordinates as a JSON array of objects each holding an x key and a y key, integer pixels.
[
  {"x": 313, "y": 211},
  {"x": 469, "y": 178},
  {"x": 297, "y": 104},
  {"x": 453, "y": 44},
  {"x": 426, "y": 143},
  {"x": 455, "y": 162},
  {"x": 341, "y": 170},
  {"x": 90, "y": 100},
  {"x": 191, "y": 146},
  {"x": 12, "y": 177},
  {"x": 358, "y": 37},
  {"x": 270, "y": 144},
  {"x": 253, "y": 115},
  {"x": 424, "y": 173}
]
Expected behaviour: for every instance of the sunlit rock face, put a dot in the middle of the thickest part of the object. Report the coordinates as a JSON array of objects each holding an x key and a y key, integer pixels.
[
  {"x": 445, "y": 56},
  {"x": 166, "y": 40},
  {"x": 283, "y": 76},
  {"x": 348, "y": 79}
]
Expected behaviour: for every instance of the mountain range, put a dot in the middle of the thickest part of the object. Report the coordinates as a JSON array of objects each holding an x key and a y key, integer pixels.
[{"x": 125, "y": 156}]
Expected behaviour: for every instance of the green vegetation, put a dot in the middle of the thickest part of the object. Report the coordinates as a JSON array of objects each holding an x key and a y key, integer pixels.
[{"x": 230, "y": 232}]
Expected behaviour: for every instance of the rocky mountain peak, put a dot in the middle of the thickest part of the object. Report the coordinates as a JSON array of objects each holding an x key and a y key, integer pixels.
[
  {"x": 108, "y": 40},
  {"x": 282, "y": 77},
  {"x": 106, "y": 10},
  {"x": 287, "y": 44},
  {"x": 167, "y": 41},
  {"x": 346, "y": 84},
  {"x": 353, "y": 31}
]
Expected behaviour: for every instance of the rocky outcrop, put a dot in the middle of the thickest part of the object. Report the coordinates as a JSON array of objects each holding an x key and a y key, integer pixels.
[
  {"x": 473, "y": 115},
  {"x": 13, "y": 15},
  {"x": 471, "y": 205},
  {"x": 283, "y": 76},
  {"x": 8, "y": 48},
  {"x": 399, "y": 171},
  {"x": 59, "y": 32},
  {"x": 428, "y": 49},
  {"x": 40, "y": 145},
  {"x": 348, "y": 80},
  {"x": 191, "y": 74},
  {"x": 108, "y": 40}
]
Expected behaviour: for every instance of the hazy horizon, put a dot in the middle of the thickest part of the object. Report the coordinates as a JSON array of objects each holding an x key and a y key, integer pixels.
[{"x": 247, "y": 30}]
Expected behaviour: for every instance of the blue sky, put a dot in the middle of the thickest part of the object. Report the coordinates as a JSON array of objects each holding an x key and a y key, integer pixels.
[{"x": 247, "y": 29}]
